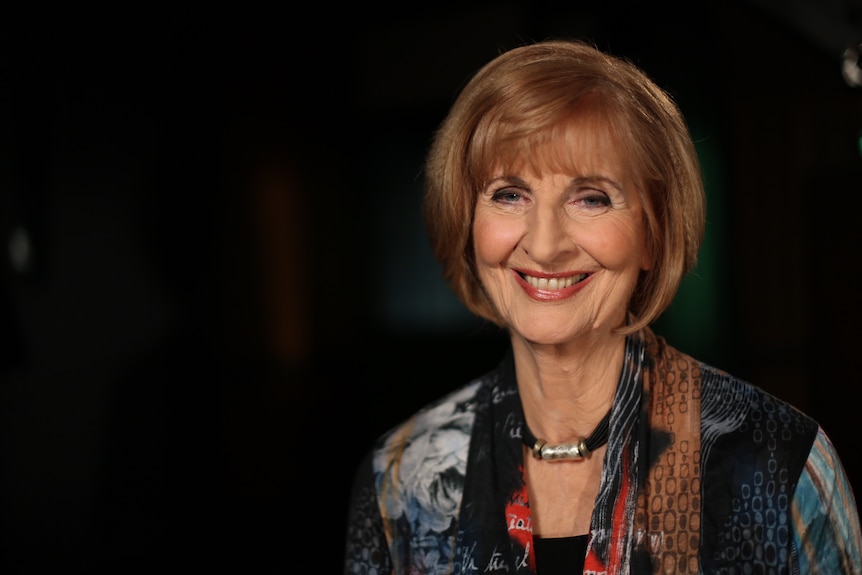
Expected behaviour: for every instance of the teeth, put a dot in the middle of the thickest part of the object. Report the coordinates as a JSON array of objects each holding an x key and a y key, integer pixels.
[{"x": 553, "y": 284}]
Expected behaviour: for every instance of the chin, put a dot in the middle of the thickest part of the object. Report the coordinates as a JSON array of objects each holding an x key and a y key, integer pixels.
[{"x": 550, "y": 336}]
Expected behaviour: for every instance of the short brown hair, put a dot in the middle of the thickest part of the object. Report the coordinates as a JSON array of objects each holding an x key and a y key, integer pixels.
[{"x": 525, "y": 96}]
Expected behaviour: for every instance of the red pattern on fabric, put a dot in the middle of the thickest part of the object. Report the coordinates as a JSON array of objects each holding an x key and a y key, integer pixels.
[{"x": 520, "y": 521}]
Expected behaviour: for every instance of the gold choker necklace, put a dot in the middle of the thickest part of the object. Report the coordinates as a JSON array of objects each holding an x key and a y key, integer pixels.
[{"x": 579, "y": 450}]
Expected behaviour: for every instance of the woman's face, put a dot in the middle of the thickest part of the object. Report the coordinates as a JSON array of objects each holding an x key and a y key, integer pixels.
[{"x": 559, "y": 254}]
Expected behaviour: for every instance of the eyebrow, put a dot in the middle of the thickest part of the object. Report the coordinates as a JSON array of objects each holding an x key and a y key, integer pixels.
[
  {"x": 594, "y": 179},
  {"x": 578, "y": 181},
  {"x": 506, "y": 180}
]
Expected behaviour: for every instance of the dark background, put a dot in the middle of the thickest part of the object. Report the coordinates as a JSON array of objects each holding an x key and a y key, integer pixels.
[{"x": 215, "y": 288}]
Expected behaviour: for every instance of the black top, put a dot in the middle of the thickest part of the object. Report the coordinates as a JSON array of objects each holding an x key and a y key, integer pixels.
[{"x": 560, "y": 555}]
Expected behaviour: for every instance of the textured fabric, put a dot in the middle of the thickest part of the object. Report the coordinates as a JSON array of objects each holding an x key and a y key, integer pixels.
[
  {"x": 703, "y": 473},
  {"x": 824, "y": 514}
]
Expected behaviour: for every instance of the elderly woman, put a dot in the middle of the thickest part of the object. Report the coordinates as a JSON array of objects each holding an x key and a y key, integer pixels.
[{"x": 565, "y": 203}]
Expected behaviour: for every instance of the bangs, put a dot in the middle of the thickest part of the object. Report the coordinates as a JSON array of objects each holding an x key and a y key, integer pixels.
[{"x": 545, "y": 140}]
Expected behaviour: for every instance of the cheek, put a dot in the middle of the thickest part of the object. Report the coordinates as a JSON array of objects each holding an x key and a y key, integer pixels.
[
  {"x": 618, "y": 246},
  {"x": 638, "y": 246},
  {"x": 493, "y": 240}
]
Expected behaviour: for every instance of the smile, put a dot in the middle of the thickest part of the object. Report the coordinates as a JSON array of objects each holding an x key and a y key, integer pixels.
[{"x": 553, "y": 284}]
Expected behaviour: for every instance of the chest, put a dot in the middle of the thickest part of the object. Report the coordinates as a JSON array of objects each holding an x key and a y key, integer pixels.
[{"x": 562, "y": 494}]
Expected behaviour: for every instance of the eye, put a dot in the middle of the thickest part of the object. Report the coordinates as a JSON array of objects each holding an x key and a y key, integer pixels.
[
  {"x": 594, "y": 199},
  {"x": 507, "y": 196}
]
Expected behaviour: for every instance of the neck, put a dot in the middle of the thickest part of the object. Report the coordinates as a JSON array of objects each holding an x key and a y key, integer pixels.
[{"x": 565, "y": 395}]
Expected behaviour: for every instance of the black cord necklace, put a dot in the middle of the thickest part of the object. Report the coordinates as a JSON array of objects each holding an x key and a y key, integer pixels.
[{"x": 580, "y": 450}]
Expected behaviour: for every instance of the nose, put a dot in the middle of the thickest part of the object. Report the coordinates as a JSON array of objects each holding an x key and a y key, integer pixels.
[{"x": 546, "y": 237}]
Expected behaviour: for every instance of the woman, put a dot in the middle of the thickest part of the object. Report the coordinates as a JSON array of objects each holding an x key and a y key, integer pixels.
[{"x": 565, "y": 202}]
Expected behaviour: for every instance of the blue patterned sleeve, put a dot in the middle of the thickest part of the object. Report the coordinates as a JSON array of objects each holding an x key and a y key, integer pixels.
[{"x": 825, "y": 517}]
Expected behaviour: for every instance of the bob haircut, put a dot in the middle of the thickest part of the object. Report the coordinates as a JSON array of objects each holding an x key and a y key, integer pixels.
[{"x": 531, "y": 96}]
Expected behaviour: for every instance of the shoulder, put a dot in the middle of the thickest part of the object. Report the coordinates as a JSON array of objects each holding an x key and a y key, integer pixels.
[
  {"x": 744, "y": 429},
  {"x": 441, "y": 426},
  {"x": 453, "y": 411},
  {"x": 728, "y": 402},
  {"x": 727, "y": 399}
]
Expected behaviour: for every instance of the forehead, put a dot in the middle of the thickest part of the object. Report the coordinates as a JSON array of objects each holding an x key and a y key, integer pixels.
[{"x": 577, "y": 147}]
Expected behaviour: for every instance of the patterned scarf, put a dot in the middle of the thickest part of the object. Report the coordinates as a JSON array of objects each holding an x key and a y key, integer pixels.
[{"x": 648, "y": 501}]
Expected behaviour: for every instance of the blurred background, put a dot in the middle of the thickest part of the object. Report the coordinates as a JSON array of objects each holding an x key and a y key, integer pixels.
[{"x": 216, "y": 290}]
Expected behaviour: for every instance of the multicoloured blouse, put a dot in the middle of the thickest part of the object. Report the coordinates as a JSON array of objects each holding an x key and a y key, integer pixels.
[{"x": 703, "y": 473}]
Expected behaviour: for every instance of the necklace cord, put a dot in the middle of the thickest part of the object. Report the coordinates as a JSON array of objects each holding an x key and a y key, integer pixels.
[{"x": 578, "y": 450}]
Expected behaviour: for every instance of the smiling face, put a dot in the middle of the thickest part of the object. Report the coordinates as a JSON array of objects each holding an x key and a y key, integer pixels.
[{"x": 559, "y": 243}]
